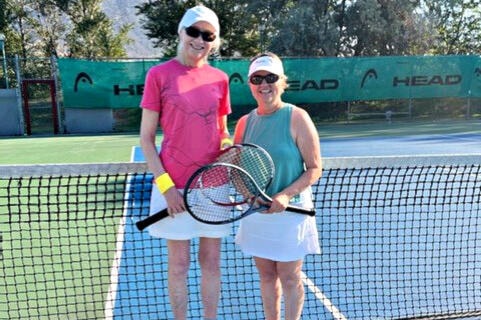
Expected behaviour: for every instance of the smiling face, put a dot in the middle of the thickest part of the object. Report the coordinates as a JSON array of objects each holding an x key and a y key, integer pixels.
[
  {"x": 195, "y": 50},
  {"x": 267, "y": 93}
]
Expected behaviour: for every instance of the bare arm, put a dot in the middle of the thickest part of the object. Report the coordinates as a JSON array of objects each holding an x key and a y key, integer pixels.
[
  {"x": 239, "y": 129},
  {"x": 306, "y": 138},
  {"x": 223, "y": 131},
  {"x": 148, "y": 130}
]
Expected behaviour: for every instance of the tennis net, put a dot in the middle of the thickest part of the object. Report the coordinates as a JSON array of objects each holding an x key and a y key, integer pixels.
[{"x": 401, "y": 239}]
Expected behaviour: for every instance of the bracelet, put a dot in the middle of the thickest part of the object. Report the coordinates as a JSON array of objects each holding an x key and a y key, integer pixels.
[
  {"x": 225, "y": 141},
  {"x": 164, "y": 182}
]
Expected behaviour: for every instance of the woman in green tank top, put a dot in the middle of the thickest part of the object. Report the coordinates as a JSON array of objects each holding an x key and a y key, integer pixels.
[{"x": 279, "y": 240}]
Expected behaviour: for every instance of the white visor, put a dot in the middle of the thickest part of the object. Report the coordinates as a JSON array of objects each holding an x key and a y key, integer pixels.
[{"x": 266, "y": 63}]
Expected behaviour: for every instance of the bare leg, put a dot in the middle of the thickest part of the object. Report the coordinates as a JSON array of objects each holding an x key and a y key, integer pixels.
[
  {"x": 270, "y": 288},
  {"x": 209, "y": 259},
  {"x": 293, "y": 288},
  {"x": 179, "y": 262}
]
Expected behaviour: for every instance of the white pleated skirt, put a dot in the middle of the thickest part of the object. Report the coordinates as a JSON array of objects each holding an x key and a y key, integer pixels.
[
  {"x": 183, "y": 226},
  {"x": 283, "y": 236}
]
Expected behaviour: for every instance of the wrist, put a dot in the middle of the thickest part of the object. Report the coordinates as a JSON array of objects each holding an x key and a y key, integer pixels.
[
  {"x": 164, "y": 182},
  {"x": 226, "y": 141}
]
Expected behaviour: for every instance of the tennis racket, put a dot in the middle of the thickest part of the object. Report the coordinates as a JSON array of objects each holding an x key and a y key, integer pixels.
[
  {"x": 231, "y": 186},
  {"x": 251, "y": 157}
]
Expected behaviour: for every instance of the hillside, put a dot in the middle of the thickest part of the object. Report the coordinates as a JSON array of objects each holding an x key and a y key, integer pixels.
[{"x": 123, "y": 12}]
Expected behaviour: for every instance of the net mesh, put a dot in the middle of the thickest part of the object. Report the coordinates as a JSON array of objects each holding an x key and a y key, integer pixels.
[{"x": 400, "y": 239}]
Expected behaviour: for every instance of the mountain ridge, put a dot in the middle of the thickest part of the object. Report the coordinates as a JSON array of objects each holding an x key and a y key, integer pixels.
[{"x": 124, "y": 12}]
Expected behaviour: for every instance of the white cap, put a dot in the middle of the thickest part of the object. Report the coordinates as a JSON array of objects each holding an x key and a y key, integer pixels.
[
  {"x": 266, "y": 63},
  {"x": 199, "y": 13}
]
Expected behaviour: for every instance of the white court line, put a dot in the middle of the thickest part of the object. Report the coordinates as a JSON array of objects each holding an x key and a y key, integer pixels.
[
  {"x": 119, "y": 246},
  {"x": 114, "y": 271},
  {"x": 320, "y": 296}
]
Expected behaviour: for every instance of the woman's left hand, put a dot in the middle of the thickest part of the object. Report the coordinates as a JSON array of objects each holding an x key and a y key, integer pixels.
[{"x": 279, "y": 203}]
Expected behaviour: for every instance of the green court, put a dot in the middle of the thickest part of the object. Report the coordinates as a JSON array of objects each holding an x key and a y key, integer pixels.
[{"x": 116, "y": 147}]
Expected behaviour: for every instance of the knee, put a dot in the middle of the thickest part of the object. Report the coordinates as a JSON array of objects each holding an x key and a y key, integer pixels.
[
  {"x": 291, "y": 280},
  {"x": 209, "y": 255},
  {"x": 268, "y": 276},
  {"x": 179, "y": 267},
  {"x": 210, "y": 263}
]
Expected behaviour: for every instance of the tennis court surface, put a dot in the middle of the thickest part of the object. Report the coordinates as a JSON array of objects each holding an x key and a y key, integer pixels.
[
  {"x": 455, "y": 143},
  {"x": 400, "y": 238}
]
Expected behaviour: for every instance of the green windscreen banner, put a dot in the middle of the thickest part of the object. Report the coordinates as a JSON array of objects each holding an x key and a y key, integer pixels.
[{"x": 119, "y": 84}]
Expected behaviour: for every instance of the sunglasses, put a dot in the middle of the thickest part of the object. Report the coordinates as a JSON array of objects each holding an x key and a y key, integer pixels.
[
  {"x": 195, "y": 33},
  {"x": 270, "y": 78}
]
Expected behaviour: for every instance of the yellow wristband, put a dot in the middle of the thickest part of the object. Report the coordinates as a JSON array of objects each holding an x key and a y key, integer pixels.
[
  {"x": 225, "y": 141},
  {"x": 164, "y": 182}
]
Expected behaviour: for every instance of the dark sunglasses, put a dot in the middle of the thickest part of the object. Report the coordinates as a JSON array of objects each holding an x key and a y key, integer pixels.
[
  {"x": 195, "y": 33},
  {"x": 270, "y": 78}
]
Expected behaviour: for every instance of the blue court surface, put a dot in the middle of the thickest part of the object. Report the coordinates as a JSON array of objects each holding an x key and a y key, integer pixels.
[
  {"x": 406, "y": 145},
  {"x": 139, "y": 286}
]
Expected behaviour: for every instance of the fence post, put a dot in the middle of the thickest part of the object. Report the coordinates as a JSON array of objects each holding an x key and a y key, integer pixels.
[
  {"x": 4, "y": 59},
  {"x": 19, "y": 92},
  {"x": 54, "y": 71}
]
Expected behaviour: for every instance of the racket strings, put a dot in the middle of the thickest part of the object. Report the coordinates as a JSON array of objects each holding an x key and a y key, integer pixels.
[
  {"x": 209, "y": 195},
  {"x": 206, "y": 211},
  {"x": 242, "y": 186},
  {"x": 255, "y": 161},
  {"x": 248, "y": 157},
  {"x": 221, "y": 193}
]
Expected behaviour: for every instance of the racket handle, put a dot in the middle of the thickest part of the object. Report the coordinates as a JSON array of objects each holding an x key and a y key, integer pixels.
[
  {"x": 142, "y": 224},
  {"x": 296, "y": 209}
]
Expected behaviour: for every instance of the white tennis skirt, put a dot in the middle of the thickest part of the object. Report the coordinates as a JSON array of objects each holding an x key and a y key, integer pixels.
[
  {"x": 183, "y": 226},
  {"x": 283, "y": 236}
]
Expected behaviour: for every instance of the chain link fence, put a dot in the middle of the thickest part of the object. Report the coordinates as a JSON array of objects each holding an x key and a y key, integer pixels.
[{"x": 47, "y": 115}]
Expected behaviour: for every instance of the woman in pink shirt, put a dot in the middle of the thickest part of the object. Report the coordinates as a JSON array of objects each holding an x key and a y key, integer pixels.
[{"x": 190, "y": 101}]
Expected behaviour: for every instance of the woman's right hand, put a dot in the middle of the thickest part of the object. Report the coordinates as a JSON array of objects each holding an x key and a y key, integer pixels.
[{"x": 175, "y": 201}]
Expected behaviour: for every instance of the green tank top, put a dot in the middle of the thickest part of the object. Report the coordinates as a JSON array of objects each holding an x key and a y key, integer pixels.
[{"x": 272, "y": 132}]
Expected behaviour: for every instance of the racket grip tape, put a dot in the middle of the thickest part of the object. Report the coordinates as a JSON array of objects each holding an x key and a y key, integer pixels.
[
  {"x": 142, "y": 224},
  {"x": 310, "y": 212}
]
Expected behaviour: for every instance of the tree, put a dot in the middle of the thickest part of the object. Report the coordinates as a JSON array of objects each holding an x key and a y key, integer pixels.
[
  {"x": 456, "y": 25},
  {"x": 160, "y": 21},
  {"x": 79, "y": 28},
  {"x": 3, "y": 15},
  {"x": 92, "y": 33},
  {"x": 20, "y": 32},
  {"x": 75, "y": 27},
  {"x": 265, "y": 17},
  {"x": 380, "y": 27},
  {"x": 161, "y": 18},
  {"x": 49, "y": 26},
  {"x": 306, "y": 28},
  {"x": 238, "y": 28}
]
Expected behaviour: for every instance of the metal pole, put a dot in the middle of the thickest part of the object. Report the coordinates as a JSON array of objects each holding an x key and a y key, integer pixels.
[
  {"x": 54, "y": 71},
  {"x": 468, "y": 107},
  {"x": 19, "y": 93},
  {"x": 4, "y": 65}
]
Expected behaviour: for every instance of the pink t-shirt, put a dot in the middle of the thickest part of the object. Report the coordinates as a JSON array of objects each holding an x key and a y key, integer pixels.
[{"x": 190, "y": 102}]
